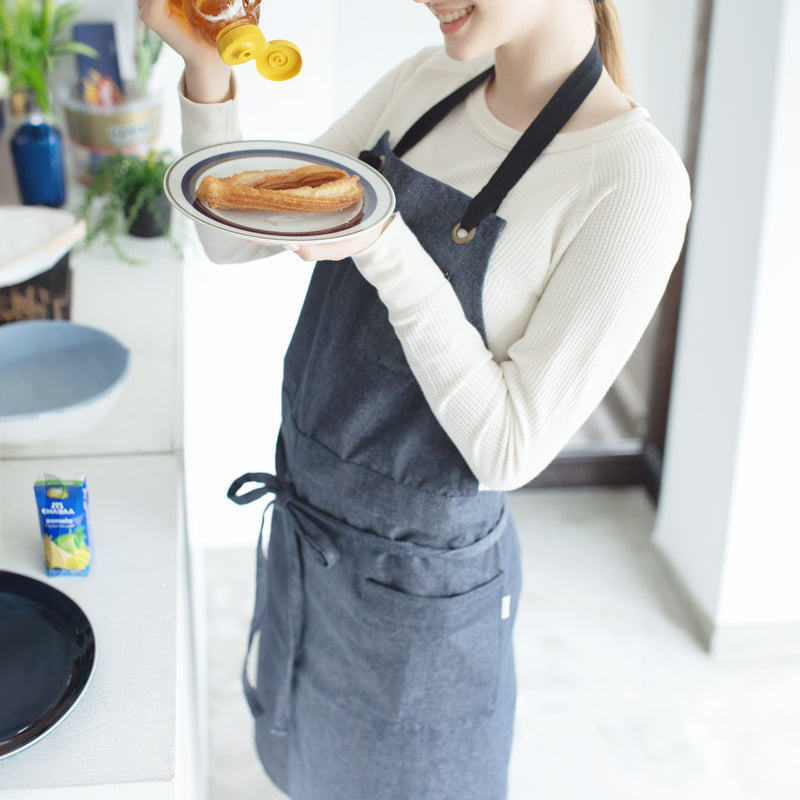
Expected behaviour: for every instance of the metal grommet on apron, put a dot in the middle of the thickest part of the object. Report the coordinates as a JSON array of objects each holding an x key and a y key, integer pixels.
[
  {"x": 461, "y": 235},
  {"x": 385, "y": 605}
]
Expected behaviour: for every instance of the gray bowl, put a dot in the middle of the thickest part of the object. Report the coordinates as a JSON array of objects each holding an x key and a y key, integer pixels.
[{"x": 57, "y": 379}]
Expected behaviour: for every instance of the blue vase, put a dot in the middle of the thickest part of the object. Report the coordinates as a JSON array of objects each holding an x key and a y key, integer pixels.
[{"x": 38, "y": 152}]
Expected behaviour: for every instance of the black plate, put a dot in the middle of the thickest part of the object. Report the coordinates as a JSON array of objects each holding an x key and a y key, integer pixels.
[{"x": 47, "y": 657}]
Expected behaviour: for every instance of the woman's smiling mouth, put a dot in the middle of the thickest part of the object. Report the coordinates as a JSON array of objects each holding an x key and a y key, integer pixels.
[
  {"x": 448, "y": 17},
  {"x": 451, "y": 16}
]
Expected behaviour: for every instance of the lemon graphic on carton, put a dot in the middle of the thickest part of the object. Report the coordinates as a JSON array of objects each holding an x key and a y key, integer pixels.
[
  {"x": 78, "y": 560},
  {"x": 68, "y": 551}
]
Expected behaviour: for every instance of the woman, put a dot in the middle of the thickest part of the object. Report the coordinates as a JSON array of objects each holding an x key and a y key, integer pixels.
[{"x": 437, "y": 363}]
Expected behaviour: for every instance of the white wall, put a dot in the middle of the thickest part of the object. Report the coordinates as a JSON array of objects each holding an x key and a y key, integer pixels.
[
  {"x": 761, "y": 574},
  {"x": 669, "y": 42},
  {"x": 659, "y": 42},
  {"x": 727, "y": 520}
]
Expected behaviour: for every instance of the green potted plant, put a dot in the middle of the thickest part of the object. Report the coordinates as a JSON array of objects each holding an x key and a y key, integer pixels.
[
  {"x": 127, "y": 192},
  {"x": 31, "y": 42}
]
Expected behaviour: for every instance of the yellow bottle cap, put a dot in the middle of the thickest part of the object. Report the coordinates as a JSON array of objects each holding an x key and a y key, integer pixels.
[
  {"x": 279, "y": 61},
  {"x": 239, "y": 43}
]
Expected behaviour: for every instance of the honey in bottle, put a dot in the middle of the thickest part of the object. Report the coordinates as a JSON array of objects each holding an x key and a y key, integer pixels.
[{"x": 232, "y": 25}]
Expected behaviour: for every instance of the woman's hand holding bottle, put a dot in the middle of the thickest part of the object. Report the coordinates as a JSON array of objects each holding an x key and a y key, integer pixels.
[{"x": 207, "y": 77}]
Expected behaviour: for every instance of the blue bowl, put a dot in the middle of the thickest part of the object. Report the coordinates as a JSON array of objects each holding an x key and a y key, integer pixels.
[{"x": 57, "y": 378}]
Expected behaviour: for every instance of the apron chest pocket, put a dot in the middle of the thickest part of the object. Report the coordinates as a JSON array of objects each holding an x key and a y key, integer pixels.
[{"x": 427, "y": 659}]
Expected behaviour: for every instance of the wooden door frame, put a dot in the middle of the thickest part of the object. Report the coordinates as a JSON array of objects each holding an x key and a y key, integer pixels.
[{"x": 639, "y": 462}]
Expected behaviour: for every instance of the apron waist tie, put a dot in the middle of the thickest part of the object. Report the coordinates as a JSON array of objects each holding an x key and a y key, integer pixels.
[
  {"x": 313, "y": 526},
  {"x": 283, "y": 500}
]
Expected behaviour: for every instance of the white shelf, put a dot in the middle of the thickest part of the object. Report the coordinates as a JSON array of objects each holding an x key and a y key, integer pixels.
[
  {"x": 123, "y": 730},
  {"x": 138, "y": 731}
]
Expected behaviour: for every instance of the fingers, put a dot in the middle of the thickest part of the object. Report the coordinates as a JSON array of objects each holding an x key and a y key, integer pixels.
[
  {"x": 333, "y": 251},
  {"x": 165, "y": 19},
  {"x": 206, "y": 78},
  {"x": 153, "y": 13},
  {"x": 330, "y": 251},
  {"x": 337, "y": 250}
]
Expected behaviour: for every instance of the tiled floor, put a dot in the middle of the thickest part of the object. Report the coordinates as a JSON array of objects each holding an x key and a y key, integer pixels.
[{"x": 616, "y": 699}]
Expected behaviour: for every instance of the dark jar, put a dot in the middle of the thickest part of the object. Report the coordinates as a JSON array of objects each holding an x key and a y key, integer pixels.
[
  {"x": 37, "y": 149},
  {"x": 152, "y": 218}
]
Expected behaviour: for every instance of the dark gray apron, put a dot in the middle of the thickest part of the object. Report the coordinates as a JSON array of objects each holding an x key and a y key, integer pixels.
[{"x": 386, "y": 603}]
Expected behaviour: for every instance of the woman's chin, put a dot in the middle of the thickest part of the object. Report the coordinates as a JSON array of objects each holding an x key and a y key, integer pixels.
[{"x": 463, "y": 51}]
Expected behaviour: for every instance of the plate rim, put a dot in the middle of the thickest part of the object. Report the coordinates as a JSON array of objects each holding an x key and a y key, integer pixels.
[
  {"x": 29, "y": 738},
  {"x": 344, "y": 160}
]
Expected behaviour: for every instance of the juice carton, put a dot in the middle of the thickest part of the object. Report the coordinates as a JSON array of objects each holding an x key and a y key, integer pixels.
[{"x": 64, "y": 522}]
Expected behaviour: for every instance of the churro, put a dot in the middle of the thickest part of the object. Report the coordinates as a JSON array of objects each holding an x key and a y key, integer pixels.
[{"x": 312, "y": 188}]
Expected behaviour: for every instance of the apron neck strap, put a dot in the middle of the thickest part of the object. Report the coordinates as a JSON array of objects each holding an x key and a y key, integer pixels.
[
  {"x": 434, "y": 115},
  {"x": 551, "y": 119},
  {"x": 561, "y": 106}
]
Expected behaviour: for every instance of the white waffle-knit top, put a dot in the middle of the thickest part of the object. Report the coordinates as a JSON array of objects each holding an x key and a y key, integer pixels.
[{"x": 593, "y": 230}]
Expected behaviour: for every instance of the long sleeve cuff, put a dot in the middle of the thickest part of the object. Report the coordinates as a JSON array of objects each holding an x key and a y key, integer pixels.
[{"x": 208, "y": 123}]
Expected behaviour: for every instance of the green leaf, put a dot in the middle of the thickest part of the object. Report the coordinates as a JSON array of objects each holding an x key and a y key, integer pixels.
[
  {"x": 147, "y": 52},
  {"x": 77, "y": 48},
  {"x": 29, "y": 43}
]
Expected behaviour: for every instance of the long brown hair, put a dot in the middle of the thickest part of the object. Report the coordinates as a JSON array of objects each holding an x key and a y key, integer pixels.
[{"x": 609, "y": 34}]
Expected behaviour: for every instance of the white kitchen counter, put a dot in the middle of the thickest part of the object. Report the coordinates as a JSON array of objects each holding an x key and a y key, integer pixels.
[
  {"x": 132, "y": 732},
  {"x": 138, "y": 731}
]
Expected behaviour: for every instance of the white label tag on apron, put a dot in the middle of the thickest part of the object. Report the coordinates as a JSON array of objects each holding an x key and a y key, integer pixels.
[{"x": 505, "y": 607}]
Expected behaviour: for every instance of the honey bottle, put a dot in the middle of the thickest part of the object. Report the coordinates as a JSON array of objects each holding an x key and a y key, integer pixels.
[{"x": 232, "y": 25}]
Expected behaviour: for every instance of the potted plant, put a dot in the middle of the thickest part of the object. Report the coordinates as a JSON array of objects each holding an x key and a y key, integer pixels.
[
  {"x": 29, "y": 48},
  {"x": 127, "y": 191},
  {"x": 31, "y": 42}
]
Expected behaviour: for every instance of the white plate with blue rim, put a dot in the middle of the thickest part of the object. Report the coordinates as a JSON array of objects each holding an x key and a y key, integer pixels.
[{"x": 223, "y": 160}]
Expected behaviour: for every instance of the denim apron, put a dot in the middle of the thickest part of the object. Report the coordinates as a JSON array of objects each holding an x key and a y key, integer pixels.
[{"x": 385, "y": 605}]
